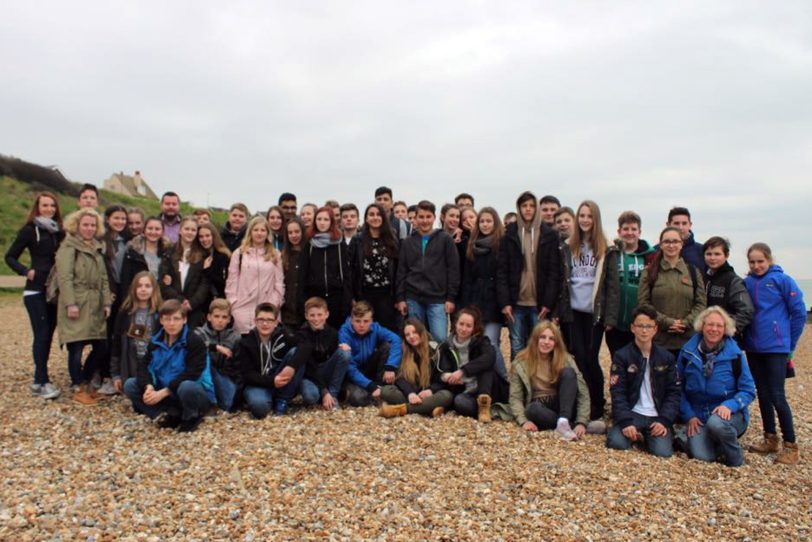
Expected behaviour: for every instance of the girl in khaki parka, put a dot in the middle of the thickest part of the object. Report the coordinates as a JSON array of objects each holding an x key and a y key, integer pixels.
[{"x": 84, "y": 297}]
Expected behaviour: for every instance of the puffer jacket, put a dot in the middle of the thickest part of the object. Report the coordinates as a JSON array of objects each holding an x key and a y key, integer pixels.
[
  {"x": 481, "y": 357},
  {"x": 780, "y": 312},
  {"x": 701, "y": 394},
  {"x": 42, "y": 246}
]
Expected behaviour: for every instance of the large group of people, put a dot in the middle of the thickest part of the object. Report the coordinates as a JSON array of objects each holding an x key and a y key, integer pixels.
[{"x": 339, "y": 307}]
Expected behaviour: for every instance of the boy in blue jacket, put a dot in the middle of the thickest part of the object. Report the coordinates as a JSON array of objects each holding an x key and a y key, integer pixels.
[
  {"x": 375, "y": 354},
  {"x": 174, "y": 382}
]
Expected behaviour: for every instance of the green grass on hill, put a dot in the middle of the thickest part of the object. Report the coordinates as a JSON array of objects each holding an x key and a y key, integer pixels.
[{"x": 17, "y": 198}]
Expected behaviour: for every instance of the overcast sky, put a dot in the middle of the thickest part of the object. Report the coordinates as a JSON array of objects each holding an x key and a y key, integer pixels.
[{"x": 637, "y": 105}]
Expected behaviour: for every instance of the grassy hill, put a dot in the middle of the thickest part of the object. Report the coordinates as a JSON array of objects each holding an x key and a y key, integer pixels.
[{"x": 18, "y": 196}]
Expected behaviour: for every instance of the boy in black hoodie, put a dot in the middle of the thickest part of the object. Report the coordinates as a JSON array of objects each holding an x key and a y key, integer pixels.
[
  {"x": 222, "y": 342},
  {"x": 325, "y": 360},
  {"x": 428, "y": 277},
  {"x": 270, "y": 366},
  {"x": 528, "y": 278}
]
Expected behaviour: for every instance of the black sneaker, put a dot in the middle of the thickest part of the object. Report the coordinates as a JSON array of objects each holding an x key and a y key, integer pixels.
[
  {"x": 190, "y": 425},
  {"x": 167, "y": 421},
  {"x": 280, "y": 406}
]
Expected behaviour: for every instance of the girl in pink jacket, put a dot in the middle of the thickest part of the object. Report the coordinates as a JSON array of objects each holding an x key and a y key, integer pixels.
[{"x": 254, "y": 275}]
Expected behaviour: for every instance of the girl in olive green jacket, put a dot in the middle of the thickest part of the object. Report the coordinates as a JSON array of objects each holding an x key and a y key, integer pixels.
[{"x": 676, "y": 291}]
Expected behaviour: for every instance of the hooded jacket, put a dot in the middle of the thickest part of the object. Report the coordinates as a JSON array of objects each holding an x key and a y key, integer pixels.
[
  {"x": 325, "y": 272},
  {"x": 362, "y": 347},
  {"x": 134, "y": 262},
  {"x": 167, "y": 366},
  {"x": 511, "y": 264},
  {"x": 228, "y": 338},
  {"x": 249, "y": 360},
  {"x": 630, "y": 270},
  {"x": 83, "y": 282},
  {"x": 626, "y": 378},
  {"x": 479, "y": 285},
  {"x": 780, "y": 312},
  {"x": 727, "y": 290},
  {"x": 701, "y": 394},
  {"x": 430, "y": 277}
]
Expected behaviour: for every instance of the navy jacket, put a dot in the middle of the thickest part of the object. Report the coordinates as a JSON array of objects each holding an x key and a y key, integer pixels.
[{"x": 626, "y": 378}]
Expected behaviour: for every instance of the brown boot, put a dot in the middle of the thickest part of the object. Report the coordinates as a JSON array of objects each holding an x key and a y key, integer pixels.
[
  {"x": 437, "y": 412},
  {"x": 484, "y": 404},
  {"x": 789, "y": 455},
  {"x": 392, "y": 411},
  {"x": 767, "y": 446},
  {"x": 83, "y": 396}
]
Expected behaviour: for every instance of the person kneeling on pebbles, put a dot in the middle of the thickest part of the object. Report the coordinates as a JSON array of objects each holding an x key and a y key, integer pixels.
[
  {"x": 375, "y": 352},
  {"x": 174, "y": 384},
  {"x": 547, "y": 391},
  {"x": 270, "y": 363},
  {"x": 645, "y": 390}
]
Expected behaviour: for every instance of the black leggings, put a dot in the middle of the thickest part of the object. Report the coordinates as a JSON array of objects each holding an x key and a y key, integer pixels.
[
  {"x": 545, "y": 414},
  {"x": 585, "y": 344}
]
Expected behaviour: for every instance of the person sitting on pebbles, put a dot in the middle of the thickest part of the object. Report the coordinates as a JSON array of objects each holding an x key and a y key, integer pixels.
[
  {"x": 717, "y": 389},
  {"x": 174, "y": 384},
  {"x": 547, "y": 391},
  {"x": 412, "y": 392},
  {"x": 645, "y": 390},
  {"x": 375, "y": 351},
  {"x": 465, "y": 366}
]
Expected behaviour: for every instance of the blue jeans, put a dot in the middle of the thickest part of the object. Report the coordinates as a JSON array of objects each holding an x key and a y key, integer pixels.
[
  {"x": 719, "y": 438},
  {"x": 769, "y": 373},
  {"x": 433, "y": 317},
  {"x": 493, "y": 331},
  {"x": 524, "y": 320},
  {"x": 225, "y": 389},
  {"x": 331, "y": 372},
  {"x": 658, "y": 446},
  {"x": 260, "y": 399},
  {"x": 78, "y": 374},
  {"x": 43, "y": 323},
  {"x": 191, "y": 400}
]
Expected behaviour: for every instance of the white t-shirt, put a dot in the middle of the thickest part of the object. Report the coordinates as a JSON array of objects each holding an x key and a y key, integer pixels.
[{"x": 645, "y": 403}]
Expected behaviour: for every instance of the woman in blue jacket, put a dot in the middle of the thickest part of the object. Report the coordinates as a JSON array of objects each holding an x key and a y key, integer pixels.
[
  {"x": 770, "y": 340},
  {"x": 716, "y": 389}
]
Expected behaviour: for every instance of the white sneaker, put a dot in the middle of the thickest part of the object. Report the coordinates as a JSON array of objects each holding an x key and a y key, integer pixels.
[
  {"x": 36, "y": 389},
  {"x": 107, "y": 387},
  {"x": 49, "y": 391},
  {"x": 565, "y": 431}
]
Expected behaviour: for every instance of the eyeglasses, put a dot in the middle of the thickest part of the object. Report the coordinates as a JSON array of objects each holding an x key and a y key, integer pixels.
[
  {"x": 671, "y": 242},
  {"x": 644, "y": 327},
  {"x": 265, "y": 320}
]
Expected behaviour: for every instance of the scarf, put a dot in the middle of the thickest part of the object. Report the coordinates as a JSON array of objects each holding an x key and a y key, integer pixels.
[
  {"x": 323, "y": 240},
  {"x": 709, "y": 356},
  {"x": 483, "y": 245},
  {"x": 48, "y": 224}
]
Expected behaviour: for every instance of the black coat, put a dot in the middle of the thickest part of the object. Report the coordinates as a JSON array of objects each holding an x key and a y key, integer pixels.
[
  {"x": 217, "y": 273},
  {"x": 41, "y": 245},
  {"x": 195, "y": 289},
  {"x": 481, "y": 358},
  {"x": 325, "y": 270},
  {"x": 626, "y": 377},
  {"x": 727, "y": 290},
  {"x": 479, "y": 285},
  {"x": 511, "y": 264},
  {"x": 230, "y": 239}
]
